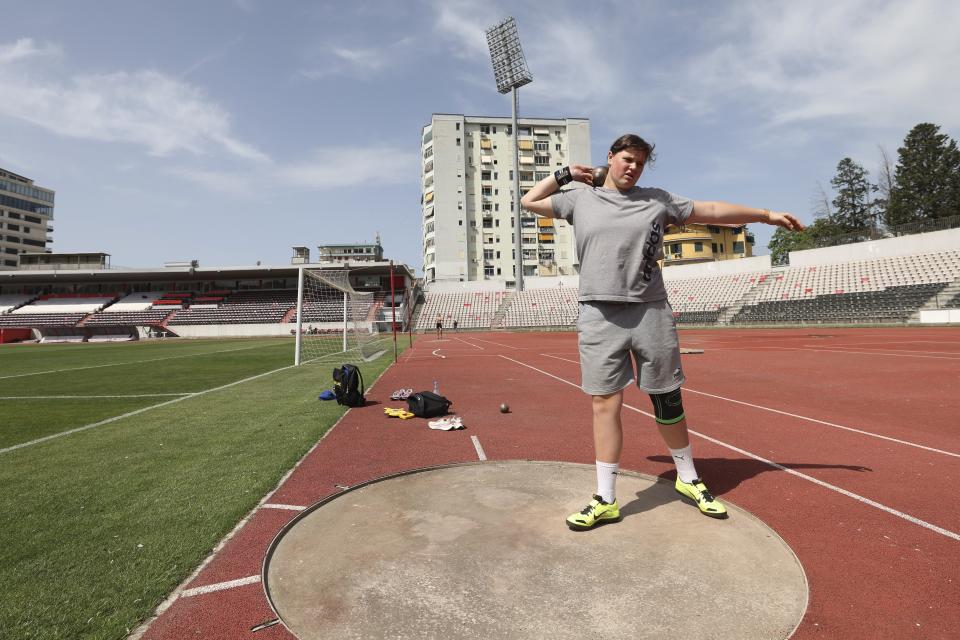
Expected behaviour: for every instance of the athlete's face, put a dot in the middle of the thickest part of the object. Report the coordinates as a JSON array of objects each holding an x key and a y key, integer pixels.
[{"x": 626, "y": 167}]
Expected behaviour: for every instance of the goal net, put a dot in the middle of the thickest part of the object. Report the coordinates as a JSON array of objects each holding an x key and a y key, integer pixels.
[{"x": 334, "y": 322}]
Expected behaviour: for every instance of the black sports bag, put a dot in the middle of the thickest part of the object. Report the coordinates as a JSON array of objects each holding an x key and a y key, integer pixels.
[{"x": 427, "y": 404}]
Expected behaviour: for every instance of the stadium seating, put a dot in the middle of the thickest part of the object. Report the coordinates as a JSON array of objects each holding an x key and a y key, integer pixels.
[
  {"x": 471, "y": 310},
  {"x": 883, "y": 290},
  {"x": 10, "y": 302},
  {"x": 553, "y": 307},
  {"x": 240, "y": 307}
]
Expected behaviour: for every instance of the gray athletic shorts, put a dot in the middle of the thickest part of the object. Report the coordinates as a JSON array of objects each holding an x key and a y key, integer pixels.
[{"x": 609, "y": 332}]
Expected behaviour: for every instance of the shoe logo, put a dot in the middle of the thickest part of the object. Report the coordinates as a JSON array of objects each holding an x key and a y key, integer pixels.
[{"x": 679, "y": 457}]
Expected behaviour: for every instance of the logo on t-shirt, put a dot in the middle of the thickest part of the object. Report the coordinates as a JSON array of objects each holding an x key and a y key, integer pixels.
[{"x": 650, "y": 251}]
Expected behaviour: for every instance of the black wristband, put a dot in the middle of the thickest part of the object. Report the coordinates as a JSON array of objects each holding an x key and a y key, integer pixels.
[{"x": 563, "y": 176}]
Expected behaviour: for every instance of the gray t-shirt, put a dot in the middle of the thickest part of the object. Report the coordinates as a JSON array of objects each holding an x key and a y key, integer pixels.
[{"x": 620, "y": 239}]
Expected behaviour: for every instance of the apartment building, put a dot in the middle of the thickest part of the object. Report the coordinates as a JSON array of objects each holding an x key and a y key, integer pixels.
[
  {"x": 706, "y": 243},
  {"x": 26, "y": 212},
  {"x": 467, "y": 196}
]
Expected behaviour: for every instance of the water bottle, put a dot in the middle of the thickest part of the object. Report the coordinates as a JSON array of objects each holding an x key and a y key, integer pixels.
[{"x": 436, "y": 387}]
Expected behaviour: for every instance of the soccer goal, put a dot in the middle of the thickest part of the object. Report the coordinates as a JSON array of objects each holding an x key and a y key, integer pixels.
[{"x": 334, "y": 322}]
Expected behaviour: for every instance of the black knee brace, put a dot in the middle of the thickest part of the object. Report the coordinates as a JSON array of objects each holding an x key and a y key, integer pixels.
[{"x": 667, "y": 407}]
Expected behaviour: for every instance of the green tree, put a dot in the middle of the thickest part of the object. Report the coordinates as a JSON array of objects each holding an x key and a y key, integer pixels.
[
  {"x": 783, "y": 241},
  {"x": 926, "y": 179},
  {"x": 852, "y": 206}
]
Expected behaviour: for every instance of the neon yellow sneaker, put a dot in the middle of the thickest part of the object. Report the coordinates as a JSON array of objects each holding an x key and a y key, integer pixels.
[
  {"x": 597, "y": 512},
  {"x": 697, "y": 493}
]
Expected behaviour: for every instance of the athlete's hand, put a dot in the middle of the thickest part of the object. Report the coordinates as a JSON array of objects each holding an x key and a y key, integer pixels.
[
  {"x": 786, "y": 220},
  {"x": 582, "y": 173}
]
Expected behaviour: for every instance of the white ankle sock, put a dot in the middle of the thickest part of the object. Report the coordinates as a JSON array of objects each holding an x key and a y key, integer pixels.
[
  {"x": 607, "y": 480},
  {"x": 683, "y": 458}
]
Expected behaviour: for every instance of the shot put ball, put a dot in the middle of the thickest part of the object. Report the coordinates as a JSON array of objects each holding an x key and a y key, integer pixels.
[
  {"x": 504, "y": 408},
  {"x": 599, "y": 176}
]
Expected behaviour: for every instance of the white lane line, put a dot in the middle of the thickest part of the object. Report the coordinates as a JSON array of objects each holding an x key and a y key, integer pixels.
[
  {"x": 887, "y": 349},
  {"x": 880, "y": 353},
  {"x": 285, "y": 507},
  {"x": 220, "y": 586},
  {"x": 476, "y": 445},
  {"x": 799, "y": 417},
  {"x": 469, "y": 344},
  {"x": 826, "y": 485},
  {"x": 829, "y": 424},
  {"x": 120, "y": 364},
  {"x": 142, "y": 395},
  {"x": 508, "y": 346},
  {"x": 138, "y": 411}
]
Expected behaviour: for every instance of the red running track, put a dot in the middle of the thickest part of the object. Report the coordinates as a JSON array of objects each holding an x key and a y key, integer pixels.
[{"x": 845, "y": 441}]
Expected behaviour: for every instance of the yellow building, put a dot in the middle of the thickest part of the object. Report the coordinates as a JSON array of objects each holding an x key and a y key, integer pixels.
[{"x": 706, "y": 243}]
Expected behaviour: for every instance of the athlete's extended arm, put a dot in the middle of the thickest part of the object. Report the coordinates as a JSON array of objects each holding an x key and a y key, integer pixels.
[
  {"x": 712, "y": 212},
  {"x": 537, "y": 200}
]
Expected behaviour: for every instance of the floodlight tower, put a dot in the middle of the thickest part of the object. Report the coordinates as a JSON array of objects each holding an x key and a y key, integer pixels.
[{"x": 511, "y": 73}]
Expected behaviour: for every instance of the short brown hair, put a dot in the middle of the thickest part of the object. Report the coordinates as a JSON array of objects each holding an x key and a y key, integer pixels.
[{"x": 633, "y": 141}]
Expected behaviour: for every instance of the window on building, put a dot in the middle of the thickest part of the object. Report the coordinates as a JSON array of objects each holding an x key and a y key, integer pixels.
[
  {"x": 458, "y": 126},
  {"x": 488, "y": 254},
  {"x": 738, "y": 247},
  {"x": 484, "y": 175},
  {"x": 698, "y": 247},
  {"x": 488, "y": 271},
  {"x": 541, "y": 145},
  {"x": 713, "y": 247},
  {"x": 541, "y": 161},
  {"x": 458, "y": 142},
  {"x": 540, "y": 175},
  {"x": 675, "y": 247},
  {"x": 713, "y": 229},
  {"x": 523, "y": 131},
  {"x": 486, "y": 191},
  {"x": 558, "y": 147}
]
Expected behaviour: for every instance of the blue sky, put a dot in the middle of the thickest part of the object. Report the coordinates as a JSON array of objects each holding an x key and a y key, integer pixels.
[{"x": 230, "y": 130}]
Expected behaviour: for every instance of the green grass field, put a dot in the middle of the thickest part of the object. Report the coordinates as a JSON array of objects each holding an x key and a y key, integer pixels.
[{"x": 101, "y": 524}]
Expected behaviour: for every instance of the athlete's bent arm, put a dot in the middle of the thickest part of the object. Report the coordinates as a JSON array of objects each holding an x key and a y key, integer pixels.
[
  {"x": 537, "y": 200},
  {"x": 714, "y": 212}
]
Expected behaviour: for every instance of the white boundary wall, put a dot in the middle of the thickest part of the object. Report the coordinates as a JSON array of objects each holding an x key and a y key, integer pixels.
[
  {"x": 933, "y": 242},
  {"x": 717, "y": 268},
  {"x": 940, "y": 316}
]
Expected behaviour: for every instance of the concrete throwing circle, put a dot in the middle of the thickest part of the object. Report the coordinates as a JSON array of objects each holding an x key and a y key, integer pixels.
[{"x": 482, "y": 550}]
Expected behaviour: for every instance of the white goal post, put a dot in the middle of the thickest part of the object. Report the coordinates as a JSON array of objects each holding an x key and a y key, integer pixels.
[{"x": 334, "y": 323}]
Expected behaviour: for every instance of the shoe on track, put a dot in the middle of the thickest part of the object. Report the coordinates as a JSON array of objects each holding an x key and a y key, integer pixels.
[
  {"x": 697, "y": 493},
  {"x": 596, "y": 513}
]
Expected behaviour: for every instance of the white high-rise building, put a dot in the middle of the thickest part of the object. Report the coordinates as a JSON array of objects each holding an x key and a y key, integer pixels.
[
  {"x": 26, "y": 211},
  {"x": 467, "y": 186}
]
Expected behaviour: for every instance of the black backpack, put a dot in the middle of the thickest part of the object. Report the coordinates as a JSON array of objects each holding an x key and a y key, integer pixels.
[
  {"x": 348, "y": 386},
  {"x": 427, "y": 404}
]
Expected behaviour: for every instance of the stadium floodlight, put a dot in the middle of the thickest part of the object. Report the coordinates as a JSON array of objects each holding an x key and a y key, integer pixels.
[{"x": 511, "y": 73}]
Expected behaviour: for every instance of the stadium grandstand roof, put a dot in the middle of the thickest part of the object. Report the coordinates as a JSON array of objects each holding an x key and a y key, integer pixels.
[{"x": 186, "y": 273}]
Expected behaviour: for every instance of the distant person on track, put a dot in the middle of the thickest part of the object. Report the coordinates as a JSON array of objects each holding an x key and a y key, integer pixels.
[
  {"x": 456, "y": 324},
  {"x": 439, "y": 327},
  {"x": 624, "y": 309}
]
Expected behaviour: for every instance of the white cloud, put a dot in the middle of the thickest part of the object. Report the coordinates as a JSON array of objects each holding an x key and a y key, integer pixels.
[
  {"x": 347, "y": 61},
  {"x": 464, "y": 24},
  {"x": 338, "y": 167},
  {"x": 148, "y": 108},
  {"x": 863, "y": 61},
  {"x": 25, "y": 48},
  {"x": 328, "y": 168}
]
